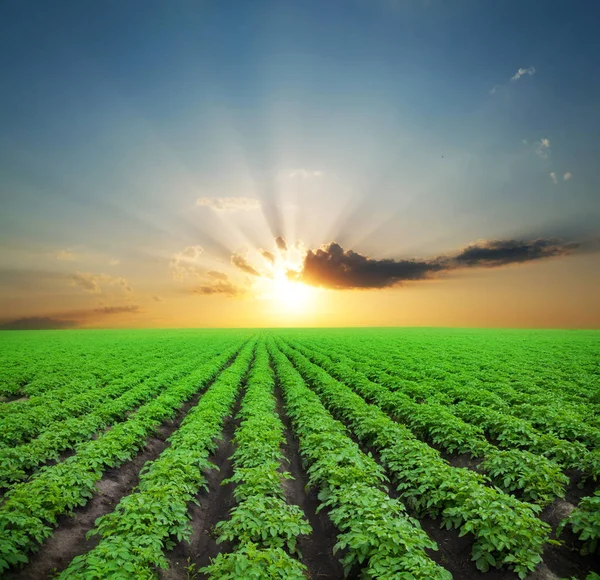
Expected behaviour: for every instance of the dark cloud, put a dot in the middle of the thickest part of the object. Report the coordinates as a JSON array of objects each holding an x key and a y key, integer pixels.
[
  {"x": 117, "y": 309},
  {"x": 37, "y": 323},
  {"x": 490, "y": 254},
  {"x": 241, "y": 263},
  {"x": 333, "y": 267},
  {"x": 268, "y": 255},
  {"x": 280, "y": 242}
]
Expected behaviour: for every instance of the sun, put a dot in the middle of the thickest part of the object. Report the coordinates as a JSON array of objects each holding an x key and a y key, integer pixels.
[{"x": 293, "y": 297}]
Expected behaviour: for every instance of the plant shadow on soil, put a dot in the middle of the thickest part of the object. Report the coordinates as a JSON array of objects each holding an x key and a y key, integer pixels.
[
  {"x": 211, "y": 507},
  {"x": 68, "y": 539}
]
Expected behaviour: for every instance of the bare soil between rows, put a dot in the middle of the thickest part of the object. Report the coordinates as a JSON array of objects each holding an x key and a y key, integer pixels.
[
  {"x": 69, "y": 537},
  {"x": 454, "y": 552}
]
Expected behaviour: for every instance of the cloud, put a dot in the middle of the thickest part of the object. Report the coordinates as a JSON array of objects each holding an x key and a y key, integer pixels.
[
  {"x": 217, "y": 275},
  {"x": 542, "y": 148},
  {"x": 222, "y": 286},
  {"x": 567, "y": 176},
  {"x": 114, "y": 262},
  {"x": 92, "y": 283},
  {"x": 494, "y": 89},
  {"x": 305, "y": 174},
  {"x": 157, "y": 298},
  {"x": 268, "y": 256},
  {"x": 280, "y": 243},
  {"x": 490, "y": 254},
  {"x": 89, "y": 282},
  {"x": 117, "y": 309},
  {"x": 553, "y": 177},
  {"x": 185, "y": 263},
  {"x": 37, "y": 323},
  {"x": 523, "y": 71},
  {"x": 65, "y": 256},
  {"x": 333, "y": 267},
  {"x": 241, "y": 263},
  {"x": 229, "y": 203}
]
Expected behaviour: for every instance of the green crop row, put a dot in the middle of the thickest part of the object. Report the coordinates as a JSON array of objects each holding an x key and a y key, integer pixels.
[
  {"x": 584, "y": 520},
  {"x": 155, "y": 516},
  {"x": 263, "y": 527},
  {"x": 536, "y": 478},
  {"x": 40, "y": 363},
  {"x": 507, "y": 531},
  {"x": 21, "y": 421},
  {"x": 17, "y": 462},
  {"x": 376, "y": 533},
  {"x": 458, "y": 368},
  {"x": 30, "y": 510},
  {"x": 507, "y": 431}
]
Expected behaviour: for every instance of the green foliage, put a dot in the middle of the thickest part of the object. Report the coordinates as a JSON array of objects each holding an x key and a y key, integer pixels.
[
  {"x": 263, "y": 526},
  {"x": 376, "y": 534},
  {"x": 524, "y": 404},
  {"x": 585, "y": 522},
  {"x": 251, "y": 561},
  {"x": 430, "y": 484},
  {"x": 155, "y": 517}
]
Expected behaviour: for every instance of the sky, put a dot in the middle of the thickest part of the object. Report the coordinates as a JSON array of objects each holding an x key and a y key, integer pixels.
[{"x": 299, "y": 163}]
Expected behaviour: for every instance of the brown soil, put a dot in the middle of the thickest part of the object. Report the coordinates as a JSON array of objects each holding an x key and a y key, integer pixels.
[
  {"x": 316, "y": 549},
  {"x": 212, "y": 507},
  {"x": 454, "y": 552},
  {"x": 186, "y": 559},
  {"x": 565, "y": 560},
  {"x": 68, "y": 539},
  {"x": 13, "y": 398}
]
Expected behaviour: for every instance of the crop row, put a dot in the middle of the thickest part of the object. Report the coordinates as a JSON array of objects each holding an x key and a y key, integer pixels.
[
  {"x": 585, "y": 522},
  {"x": 74, "y": 363},
  {"x": 507, "y": 531},
  {"x": 376, "y": 533},
  {"x": 475, "y": 407},
  {"x": 517, "y": 376},
  {"x": 30, "y": 509},
  {"x": 155, "y": 516},
  {"x": 17, "y": 462},
  {"x": 263, "y": 527},
  {"x": 536, "y": 478},
  {"x": 554, "y": 411}
]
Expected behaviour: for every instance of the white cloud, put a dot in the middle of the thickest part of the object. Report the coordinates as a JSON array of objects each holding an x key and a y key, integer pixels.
[
  {"x": 542, "y": 148},
  {"x": 493, "y": 89},
  {"x": 229, "y": 203},
  {"x": 567, "y": 176},
  {"x": 65, "y": 256},
  {"x": 305, "y": 173},
  {"x": 553, "y": 177},
  {"x": 186, "y": 263},
  {"x": 92, "y": 283},
  {"x": 523, "y": 71}
]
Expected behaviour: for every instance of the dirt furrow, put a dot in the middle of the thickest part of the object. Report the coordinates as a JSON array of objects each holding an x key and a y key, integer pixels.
[
  {"x": 69, "y": 538},
  {"x": 316, "y": 549},
  {"x": 187, "y": 558}
]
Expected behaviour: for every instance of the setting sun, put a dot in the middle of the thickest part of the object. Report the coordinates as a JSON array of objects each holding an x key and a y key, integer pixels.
[{"x": 293, "y": 297}]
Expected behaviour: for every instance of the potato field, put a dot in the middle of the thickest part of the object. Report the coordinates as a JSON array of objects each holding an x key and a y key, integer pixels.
[{"x": 319, "y": 453}]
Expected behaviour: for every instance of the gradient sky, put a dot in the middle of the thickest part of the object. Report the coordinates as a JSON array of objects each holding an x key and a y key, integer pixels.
[{"x": 150, "y": 150}]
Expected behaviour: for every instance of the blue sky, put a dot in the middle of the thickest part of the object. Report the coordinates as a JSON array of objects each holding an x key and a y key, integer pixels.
[{"x": 399, "y": 119}]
